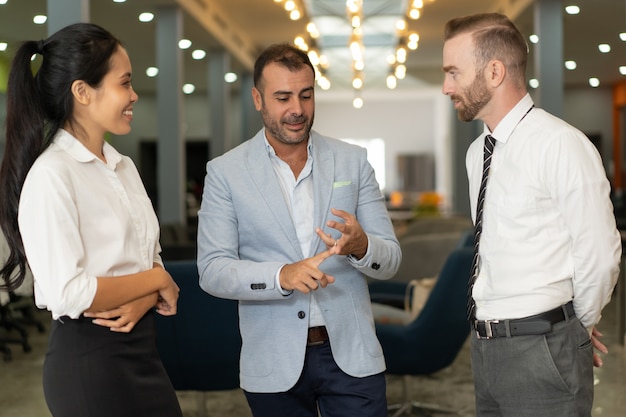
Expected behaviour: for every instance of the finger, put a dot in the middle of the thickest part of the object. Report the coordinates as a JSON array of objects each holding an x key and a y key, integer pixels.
[
  {"x": 326, "y": 237},
  {"x": 322, "y": 256},
  {"x": 597, "y": 361},
  {"x": 124, "y": 329},
  {"x": 108, "y": 323},
  {"x": 341, "y": 213}
]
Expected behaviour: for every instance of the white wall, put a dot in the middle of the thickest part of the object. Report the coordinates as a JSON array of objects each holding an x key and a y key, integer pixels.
[{"x": 409, "y": 122}]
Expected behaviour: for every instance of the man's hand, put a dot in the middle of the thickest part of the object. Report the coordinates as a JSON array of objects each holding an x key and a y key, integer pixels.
[
  {"x": 305, "y": 275},
  {"x": 353, "y": 240},
  {"x": 597, "y": 344},
  {"x": 124, "y": 318}
]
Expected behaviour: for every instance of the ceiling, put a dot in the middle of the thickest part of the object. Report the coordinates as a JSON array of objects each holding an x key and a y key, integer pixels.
[{"x": 244, "y": 27}]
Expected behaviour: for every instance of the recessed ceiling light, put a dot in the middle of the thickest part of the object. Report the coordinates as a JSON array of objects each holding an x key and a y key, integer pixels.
[
  {"x": 533, "y": 83},
  {"x": 198, "y": 54},
  {"x": 184, "y": 44},
  {"x": 622, "y": 36},
  {"x": 230, "y": 77},
  {"x": 146, "y": 17},
  {"x": 594, "y": 82},
  {"x": 3, "y": 45},
  {"x": 189, "y": 88},
  {"x": 570, "y": 65},
  {"x": 622, "y": 69},
  {"x": 572, "y": 9},
  {"x": 40, "y": 19},
  {"x": 604, "y": 48},
  {"x": 3, "y": 1},
  {"x": 152, "y": 72},
  {"x": 533, "y": 38}
]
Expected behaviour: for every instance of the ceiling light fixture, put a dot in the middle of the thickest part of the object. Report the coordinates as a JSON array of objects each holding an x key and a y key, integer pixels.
[
  {"x": 570, "y": 65},
  {"x": 146, "y": 17}
]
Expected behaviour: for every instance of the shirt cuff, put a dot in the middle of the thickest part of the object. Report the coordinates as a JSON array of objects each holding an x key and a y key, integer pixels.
[{"x": 277, "y": 280}]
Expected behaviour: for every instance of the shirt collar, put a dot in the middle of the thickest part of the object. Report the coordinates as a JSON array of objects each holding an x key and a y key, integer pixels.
[
  {"x": 507, "y": 125},
  {"x": 80, "y": 153},
  {"x": 271, "y": 152}
]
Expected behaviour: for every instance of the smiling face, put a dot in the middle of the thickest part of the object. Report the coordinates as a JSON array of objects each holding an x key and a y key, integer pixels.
[
  {"x": 286, "y": 101},
  {"x": 464, "y": 83},
  {"x": 111, "y": 104}
]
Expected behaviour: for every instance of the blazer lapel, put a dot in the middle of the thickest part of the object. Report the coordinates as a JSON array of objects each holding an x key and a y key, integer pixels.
[
  {"x": 323, "y": 175},
  {"x": 262, "y": 174}
]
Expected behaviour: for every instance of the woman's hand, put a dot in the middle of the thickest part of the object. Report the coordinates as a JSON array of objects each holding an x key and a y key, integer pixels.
[
  {"x": 168, "y": 296},
  {"x": 124, "y": 318}
]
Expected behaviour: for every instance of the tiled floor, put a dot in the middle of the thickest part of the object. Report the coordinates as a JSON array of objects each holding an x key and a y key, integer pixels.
[{"x": 21, "y": 394}]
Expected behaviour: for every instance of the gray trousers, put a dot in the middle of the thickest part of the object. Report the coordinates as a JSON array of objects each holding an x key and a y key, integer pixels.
[{"x": 549, "y": 375}]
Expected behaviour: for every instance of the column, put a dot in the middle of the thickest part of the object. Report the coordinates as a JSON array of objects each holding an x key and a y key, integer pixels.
[
  {"x": 250, "y": 118},
  {"x": 219, "y": 103},
  {"x": 549, "y": 55},
  {"x": 170, "y": 137},
  {"x": 65, "y": 12}
]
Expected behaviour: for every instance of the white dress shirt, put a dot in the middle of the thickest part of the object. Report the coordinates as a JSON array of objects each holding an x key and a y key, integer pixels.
[
  {"x": 81, "y": 218},
  {"x": 549, "y": 233},
  {"x": 298, "y": 194}
]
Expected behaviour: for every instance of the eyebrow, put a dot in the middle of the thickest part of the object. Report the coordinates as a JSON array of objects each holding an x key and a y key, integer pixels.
[
  {"x": 281, "y": 92},
  {"x": 447, "y": 68}
]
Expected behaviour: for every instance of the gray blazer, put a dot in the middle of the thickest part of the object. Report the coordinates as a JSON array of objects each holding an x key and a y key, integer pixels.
[{"x": 245, "y": 235}]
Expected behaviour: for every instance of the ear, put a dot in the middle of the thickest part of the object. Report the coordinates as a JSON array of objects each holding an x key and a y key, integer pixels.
[
  {"x": 81, "y": 92},
  {"x": 495, "y": 72},
  {"x": 257, "y": 99}
]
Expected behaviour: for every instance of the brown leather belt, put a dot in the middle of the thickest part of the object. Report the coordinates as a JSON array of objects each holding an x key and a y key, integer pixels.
[{"x": 317, "y": 336}]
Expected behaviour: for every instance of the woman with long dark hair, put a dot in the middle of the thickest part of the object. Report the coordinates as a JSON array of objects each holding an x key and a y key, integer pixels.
[{"x": 76, "y": 212}]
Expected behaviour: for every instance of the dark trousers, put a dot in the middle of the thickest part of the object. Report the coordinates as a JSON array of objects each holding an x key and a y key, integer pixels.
[{"x": 324, "y": 386}]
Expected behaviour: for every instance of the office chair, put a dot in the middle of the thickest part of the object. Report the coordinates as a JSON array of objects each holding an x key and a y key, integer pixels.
[
  {"x": 200, "y": 345},
  {"x": 19, "y": 310},
  {"x": 433, "y": 340}
]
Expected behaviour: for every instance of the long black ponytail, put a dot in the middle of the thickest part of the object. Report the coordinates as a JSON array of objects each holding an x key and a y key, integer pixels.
[{"x": 38, "y": 105}]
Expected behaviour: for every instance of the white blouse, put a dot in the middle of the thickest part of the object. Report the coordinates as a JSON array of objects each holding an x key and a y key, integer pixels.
[{"x": 81, "y": 218}]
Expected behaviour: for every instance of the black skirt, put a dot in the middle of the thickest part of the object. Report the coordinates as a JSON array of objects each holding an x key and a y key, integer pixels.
[{"x": 90, "y": 371}]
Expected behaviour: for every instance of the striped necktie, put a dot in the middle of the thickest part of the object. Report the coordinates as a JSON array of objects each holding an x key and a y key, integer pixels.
[{"x": 478, "y": 228}]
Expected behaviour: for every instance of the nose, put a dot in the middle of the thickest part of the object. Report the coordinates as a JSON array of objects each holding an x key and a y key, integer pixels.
[
  {"x": 296, "y": 107},
  {"x": 446, "y": 87},
  {"x": 133, "y": 97}
]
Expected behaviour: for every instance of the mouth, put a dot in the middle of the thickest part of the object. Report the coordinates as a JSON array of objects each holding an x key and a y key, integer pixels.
[{"x": 128, "y": 113}]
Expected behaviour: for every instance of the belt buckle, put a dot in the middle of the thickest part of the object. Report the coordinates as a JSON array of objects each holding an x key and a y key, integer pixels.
[{"x": 488, "y": 329}]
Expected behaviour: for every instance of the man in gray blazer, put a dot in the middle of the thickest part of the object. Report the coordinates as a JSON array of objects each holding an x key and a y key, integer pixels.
[{"x": 291, "y": 223}]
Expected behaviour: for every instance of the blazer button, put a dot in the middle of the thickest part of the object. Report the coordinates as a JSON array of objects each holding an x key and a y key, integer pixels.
[
  {"x": 375, "y": 266},
  {"x": 301, "y": 314}
]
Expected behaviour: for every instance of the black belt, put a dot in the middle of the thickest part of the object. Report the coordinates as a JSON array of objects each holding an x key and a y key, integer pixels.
[
  {"x": 532, "y": 325},
  {"x": 317, "y": 336}
]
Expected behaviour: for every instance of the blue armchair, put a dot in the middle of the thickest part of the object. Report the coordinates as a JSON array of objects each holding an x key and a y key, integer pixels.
[
  {"x": 433, "y": 340},
  {"x": 200, "y": 345}
]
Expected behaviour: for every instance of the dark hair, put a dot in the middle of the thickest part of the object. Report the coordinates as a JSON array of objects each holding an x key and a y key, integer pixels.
[
  {"x": 495, "y": 37},
  {"x": 283, "y": 54},
  {"x": 37, "y": 107}
]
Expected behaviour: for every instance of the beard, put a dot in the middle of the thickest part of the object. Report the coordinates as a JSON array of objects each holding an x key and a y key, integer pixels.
[
  {"x": 473, "y": 99},
  {"x": 278, "y": 130}
]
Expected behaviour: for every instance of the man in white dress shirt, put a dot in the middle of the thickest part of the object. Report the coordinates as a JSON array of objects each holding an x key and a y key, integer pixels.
[{"x": 549, "y": 248}]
